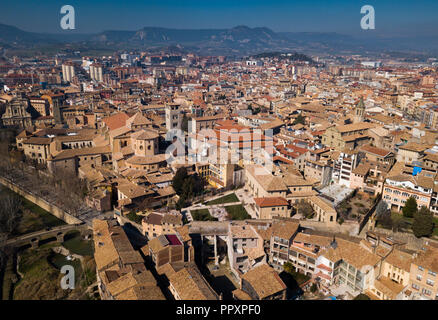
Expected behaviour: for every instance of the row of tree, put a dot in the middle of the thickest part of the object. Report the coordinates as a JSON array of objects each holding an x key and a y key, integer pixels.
[{"x": 422, "y": 224}]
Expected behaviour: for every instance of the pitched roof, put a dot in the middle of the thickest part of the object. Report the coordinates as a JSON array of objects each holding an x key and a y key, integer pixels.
[
  {"x": 428, "y": 258},
  {"x": 284, "y": 229},
  {"x": 116, "y": 121},
  {"x": 191, "y": 285},
  {"x": 374, "y": 150},
  {"x": 264, "y": 280},
  {"x": 270, "y": 202}
]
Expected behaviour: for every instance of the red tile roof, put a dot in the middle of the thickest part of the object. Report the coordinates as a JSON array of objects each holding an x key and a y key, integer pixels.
[
  {"x": 271, "y": 201},
  {"x": 116, "y": 121}
]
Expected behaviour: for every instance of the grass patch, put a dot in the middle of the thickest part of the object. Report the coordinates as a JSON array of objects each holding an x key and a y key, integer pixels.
[
  {"x": 42, "y": 277},
  {"x": 229, "y": 198},
  {"x": 237, "y": 212},
  {"x": 33, "y": 218},
  {"x": 41, "y": 280},
  {"x": 134, "y": 217},
  {"x": 202, "y": 215},
  {"x": 9, "y": 277}
]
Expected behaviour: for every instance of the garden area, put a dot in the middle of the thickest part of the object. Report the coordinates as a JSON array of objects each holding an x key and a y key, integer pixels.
[
  {"x": 229, "y": 198},
  {"x": 355, "y": 206},
  {"x": 237, "y": 212},
  {"x": 134, "y": 217},
  {"x": 420, "y": 221},
  {"x": 202, "y": 215}
]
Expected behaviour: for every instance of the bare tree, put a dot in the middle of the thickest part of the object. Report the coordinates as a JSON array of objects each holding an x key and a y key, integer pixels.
[{"x": 9, "y": 213}]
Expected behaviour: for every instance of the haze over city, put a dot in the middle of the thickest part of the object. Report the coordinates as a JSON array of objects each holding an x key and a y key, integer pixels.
[{"x": 406, "y": 17}]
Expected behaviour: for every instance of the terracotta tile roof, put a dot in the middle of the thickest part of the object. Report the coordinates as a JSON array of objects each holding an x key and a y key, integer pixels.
[
  {"x": 71, "y": 153},
  {"x": 265, "y": 179},
  {"x": 184, "y": 233},
  {"x": 241, "y": 295},
  {"x": 264, "y": 280},
  {"x": 400, "y": 259},
  {"x": 240, "y": 229},
  {"x": 105, "y": 253},
  {"x": 352, "y": 253},
  {"x": 140, "y": 292},
  {"x": 191, "y": 285},
  {"x": 153, "y": 218},
  {"x": 428, "y": 258},
  {"x": 284, "y": 229},
  {"x": 355, "y": 127},
  {"x": 145, "y": 160},
  {"x": 412, "y": 146},
  {"x": 270, "y": 202},
  {"x": 374, "y": 150},
  {"x": 388, "y": 287},
  {"x": 116, "y": 121},
  {"x": 132, "y": 190}
]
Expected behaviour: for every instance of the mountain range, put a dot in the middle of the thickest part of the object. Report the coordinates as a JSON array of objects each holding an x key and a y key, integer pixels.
[{"x": 237, "y": 41}]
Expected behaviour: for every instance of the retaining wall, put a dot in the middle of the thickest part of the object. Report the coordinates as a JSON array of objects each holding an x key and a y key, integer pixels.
[{"x": 56, "y": 211}]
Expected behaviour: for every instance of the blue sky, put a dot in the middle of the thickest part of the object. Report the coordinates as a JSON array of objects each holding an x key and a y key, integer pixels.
[{"x": 402, "y": 17}]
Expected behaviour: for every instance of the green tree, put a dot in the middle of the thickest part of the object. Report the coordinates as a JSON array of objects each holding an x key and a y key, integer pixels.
[
  {"x": 423, "y": 223},
  {"x": 305, "y": 209},
  {"x": 185, "y": 123},
  {"x": 383, "y": 215},
  {"x": 299, "y": 119},
  {"x": 410, "y": 208},
  {"x": 178, "y": 180},
  {"x": 134, "y": 217},
  {"x": 362, "y": 296},
  {"x": 187, "y": 188},
  {"x": 288, "y": 267}
]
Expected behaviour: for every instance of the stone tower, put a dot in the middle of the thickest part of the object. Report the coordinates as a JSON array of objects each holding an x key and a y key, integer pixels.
[{"x": 359, "y": 111}]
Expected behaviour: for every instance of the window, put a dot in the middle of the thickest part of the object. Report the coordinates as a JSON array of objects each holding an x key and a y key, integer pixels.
[{"x": 427, "y": 292}]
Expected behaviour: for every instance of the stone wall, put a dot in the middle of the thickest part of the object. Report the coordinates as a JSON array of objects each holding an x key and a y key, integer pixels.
[
  {"x": 122, "y": 220},
  {"x": 412, "y": 242},
  {"x": 56, "y": 211},
  {"x": 348, "y": 227}
]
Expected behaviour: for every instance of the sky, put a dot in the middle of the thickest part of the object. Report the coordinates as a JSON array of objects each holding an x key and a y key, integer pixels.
[{"x": 392, "y": 17}]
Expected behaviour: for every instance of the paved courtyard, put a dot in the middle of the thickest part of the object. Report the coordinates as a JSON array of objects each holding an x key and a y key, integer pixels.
[
  {"x": 336, "y": 191},
  {"x": 343, "y": 291}
]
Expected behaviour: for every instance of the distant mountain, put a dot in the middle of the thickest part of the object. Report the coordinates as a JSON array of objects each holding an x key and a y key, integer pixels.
[
  {"x": 10, "y": 34},
  {"x": 237, "y": 41}
]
